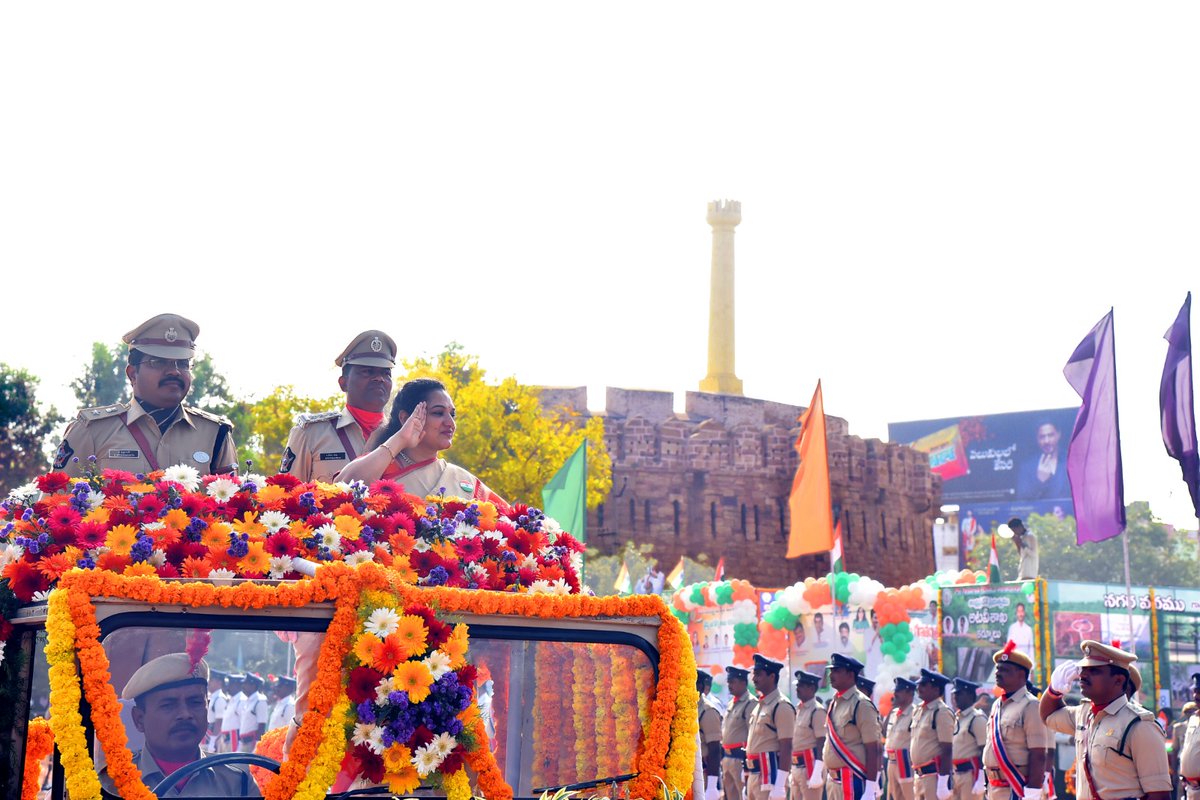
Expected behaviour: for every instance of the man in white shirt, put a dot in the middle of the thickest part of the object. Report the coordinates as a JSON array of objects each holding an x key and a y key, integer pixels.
[
  {"x": 285, "y": 703},
  {"x": 231, "y": 722},
  {"x": 1020, "y": 632},
  {"x": 254, "y": 715},
  {"x": 217, "y": 700}
]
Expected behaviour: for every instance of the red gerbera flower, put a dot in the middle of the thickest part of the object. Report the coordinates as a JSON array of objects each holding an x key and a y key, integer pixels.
[
  {"x": 25, "y": 580},
  {"x": 469, "y": 549},
  {"x": 118, "y": 476},
  {"x": 197, "y": 505},
  {"x": 424, "y": 562},
  {"x": 421, "y": 737},
  {"x": 363, "y": 681},
  {"x": 452, "y": 507},
  {"x": 453, "y": 762},
  {"x": 178, "y": 551},
  {"x": 505, "y": 527},
  {"x": 492, "y": 547},
  {"x": 370, "y": 765},
  {"x": 90, "y": 535},
  {"x": 570, "y": 542},
  {"x": 282, "y": 544},
  {"x": 467, "y": 675},
  {"x": 527, "y": 575},
  {"x": 62, "y": 518},
  {"x": 526, "y": 542},
  {"x": 168, "y": 570},
  {"x": 150, "y": 507},
  {"x": 288, "y": 482},
  {"x": 51, "y": 482},
  {"x": 439, "y": 632}
]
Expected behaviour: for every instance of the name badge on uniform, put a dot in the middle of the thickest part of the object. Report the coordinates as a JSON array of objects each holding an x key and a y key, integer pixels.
[
  {"x": 466, "y": 486},
  {"x": 200, "y": 457},
  {"x": 124, "y": 454},
  {"x": 333, "y": 456}
]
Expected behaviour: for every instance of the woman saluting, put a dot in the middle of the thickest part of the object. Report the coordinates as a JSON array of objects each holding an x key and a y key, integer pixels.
[{"x": 405, "y": 449}]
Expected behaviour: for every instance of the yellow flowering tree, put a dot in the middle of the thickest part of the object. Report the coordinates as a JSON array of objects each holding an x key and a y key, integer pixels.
[
  {"x": 505, "y": 435},
  {"x": 261, "y": 426}
]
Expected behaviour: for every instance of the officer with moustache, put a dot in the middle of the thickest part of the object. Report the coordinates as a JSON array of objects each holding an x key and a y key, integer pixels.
[
  {"x": 932, "y": 739},
  {"x": 319, "y": 445},
  {"x": 735, "y": 730},
  {"x": 769, "y": 746},
  {"x": 898, "y": 735},
  {"x": 1117, "y": 753},
  {"x": 853, "y": 736},
  {"x": 1014, "y": 756},
  {"x": 710, "y": 734},
  {"x": 808, "y": 740},
  {"x": 970, "y": 735},
  {"x": 155, "y": 430}
]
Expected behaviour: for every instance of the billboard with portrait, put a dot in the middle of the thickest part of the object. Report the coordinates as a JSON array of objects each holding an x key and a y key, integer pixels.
[
  {"x": 978, "y": 620},
  {"x": 996, "y": 466}
]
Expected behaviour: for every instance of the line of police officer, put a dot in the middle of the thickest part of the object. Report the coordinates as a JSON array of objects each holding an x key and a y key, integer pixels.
[{"x": 771, "y": 750}]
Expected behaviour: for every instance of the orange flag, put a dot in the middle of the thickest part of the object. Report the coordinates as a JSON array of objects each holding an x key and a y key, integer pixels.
[{"x": 809, "y": 503}]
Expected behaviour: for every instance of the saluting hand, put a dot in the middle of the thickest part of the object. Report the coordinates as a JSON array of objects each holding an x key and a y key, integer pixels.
[
  {"x": 411, "y": 431},
  {"x": 1064, "y": 676}
]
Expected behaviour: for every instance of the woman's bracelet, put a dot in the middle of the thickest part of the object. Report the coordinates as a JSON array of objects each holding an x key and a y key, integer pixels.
[{"x": 388, "y": 449}]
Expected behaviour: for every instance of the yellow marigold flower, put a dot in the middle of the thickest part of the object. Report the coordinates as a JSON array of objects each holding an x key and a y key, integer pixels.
[
  {"x": 250, "y": 524},
  {"x": 121, "y": 538},
  {"x": 176, "y": 518},
  {"x": 415, "y": 678},
  {"x": 257, "y": 560},
  {"x": 141, "y": 568},
  {"x": 347, "y": 527},
  {"x": 396, "y": 758},
  {"x": 413, "y": 633},
  {"x": 367, "y": 648}
]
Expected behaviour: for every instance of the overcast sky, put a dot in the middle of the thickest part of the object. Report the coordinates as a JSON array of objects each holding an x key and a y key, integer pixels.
[{"x": 939, "y": 199}]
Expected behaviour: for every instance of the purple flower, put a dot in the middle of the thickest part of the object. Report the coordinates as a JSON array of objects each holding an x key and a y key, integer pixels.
[
  {"x": 86, "y": 563},
  {"x": 437, "y": 576}
]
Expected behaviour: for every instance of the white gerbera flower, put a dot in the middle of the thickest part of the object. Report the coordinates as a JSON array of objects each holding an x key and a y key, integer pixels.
[
  {"x": 383, "y": 689},
  {"x": 157, "y": 558},
  {"x": 421, "y": 545},
  {"x": 426, "y": 760},
  {"x": 443, "y": 743},
  {"x": 497, "y": 535},
  {"x": 360, "y": 557},
  {"x": 280, "y": 565},
  {"x": 560, "y": 586},
  {"x": 547, "y": 552},
  {"x": 463, "y": 530},
  {"x": 577, "y": 563},
  {"x": 375, "y": 741},
  {"x": 186, "y": 476},
  {"x": 259, "y": 481},
  {"x": 153, "y": 526},
  {"x": 439, "y": 664},
  {"x": 26, "y": 494},
  {"x": 329, "y": 537},
  {"x": 540, "y": 587},
  {"x": 550, "y": 526},
  {"x": 38, "y": 597},
  {"x": 362, "y": 732},
  {"x": 221, "y": 575},
  {"x": 382, "y": 622},
  {"x": 95, "y": 499},
  {"x": 222, "y": 489},
  {"x": 529, "y": 562},
  {"x": 274, "y": 521},
  {"x": 10, "y": 553}
]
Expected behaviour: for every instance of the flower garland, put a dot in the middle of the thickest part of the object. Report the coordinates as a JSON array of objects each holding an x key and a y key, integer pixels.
[
  {"x": 65, "y": 695},
  {"x": 607, "y": 762},
  {"x": 39, "y": 744},
  {"x": 324, "y": 767},
  {"x": 1154, "y": 648},
  {"x": 584, "y": 713}
]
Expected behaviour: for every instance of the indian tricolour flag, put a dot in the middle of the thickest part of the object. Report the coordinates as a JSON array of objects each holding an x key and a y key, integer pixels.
[
  {"x": 994, "y": 563},
  {"x": 835, "y": 555}
]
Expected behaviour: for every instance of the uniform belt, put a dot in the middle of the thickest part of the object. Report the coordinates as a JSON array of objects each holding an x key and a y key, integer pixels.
[
  {"x": 796, "y": 754},
  {"x": 926, "y": 769},
  {"x": 964, "y": 766},
  {"x": 735, "y": 752}
]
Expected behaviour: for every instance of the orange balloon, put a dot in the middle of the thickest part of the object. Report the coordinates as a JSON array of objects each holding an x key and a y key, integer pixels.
[
  {"x": 743, "y": 655},
  {"x": 885, "y": 704},
  {"x": 743, "y": 590}
]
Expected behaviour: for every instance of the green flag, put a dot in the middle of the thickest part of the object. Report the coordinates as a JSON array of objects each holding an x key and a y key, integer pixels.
[{"x": 564, "y": 498}]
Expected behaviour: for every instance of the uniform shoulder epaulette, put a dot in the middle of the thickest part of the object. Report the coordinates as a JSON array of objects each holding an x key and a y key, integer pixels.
[
  {"x": 308, "y": 418},
  {"x": 208, "y": 415},
  {"x": 100, "y": 412}
]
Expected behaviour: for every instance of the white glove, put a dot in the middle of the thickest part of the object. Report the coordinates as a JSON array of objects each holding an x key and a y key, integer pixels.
[
  {"x": 779, "y": 787},
  {"x": 1063, "y": 677},
  {"x": 818, "y": 774},
  {"x": 711, "y": 792},
  {"x": 871, "y": 791},
  {"x": 1030, "y": 792},
  {"x": 978, "y": 786},
  {"x": 943, "y": 788}
]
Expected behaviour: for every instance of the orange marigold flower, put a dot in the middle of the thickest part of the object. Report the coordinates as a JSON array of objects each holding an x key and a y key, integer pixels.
[
  {"x": 412, "y": 632},
  {"x": 415, "y": 678},
  {"x": 256, "y": 561},
  {"x": 121, "y": 538},
  {"x": 347, "y": 526},
  {"x": 368, "y": 648},
  {"x": 141, "y": 568}
]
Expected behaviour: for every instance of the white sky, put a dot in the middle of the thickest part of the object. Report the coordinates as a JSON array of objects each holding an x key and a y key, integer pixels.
[{"x": 939, "y": 199}]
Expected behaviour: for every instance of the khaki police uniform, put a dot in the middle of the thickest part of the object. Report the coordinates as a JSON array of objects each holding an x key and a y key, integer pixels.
[
  {"x": 735, "y": 731},
  {"x": 1117, "y": 753},
  {"x": 807, "y": 731},
  {"x": 124, "y": 436},
  {"x": 1021, "y": 730},
  {"x": 774, "y": 718},
  {"x": 854, "y": 719},
  {"x": 932, "y": 727},
  {"x": 1189, "y": 758},
  {"x": 709, "y": 712},
  {"x": 970, "y": 735},
  {"x": 321, "y": 444},
  {"x": 898, "y": 730}
]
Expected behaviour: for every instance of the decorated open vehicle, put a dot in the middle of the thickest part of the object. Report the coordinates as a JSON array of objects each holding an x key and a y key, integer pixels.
[{"x": 414, "y": 679}]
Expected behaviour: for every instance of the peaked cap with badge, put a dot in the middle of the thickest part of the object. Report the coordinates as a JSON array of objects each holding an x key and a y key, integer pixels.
[
  {"x": 964, "y": 685},
  {"x": 807, "y": 677},
  {"x": 1009, "y": 654},
  {"x": 905, "y": 684},
  {"x": 866, "y": 685},
  {"x": 837, "y": 660},
  {"x": 1096, "y": 654},
  {"x": 140, "y": 439},
  {"x": 165, "y": 672},
  {"x": 767, "y": 664},
  {"x": 936, "y": 678},
  {"x": 737, "y": 672},
  {"x": 370, "y": 349}
]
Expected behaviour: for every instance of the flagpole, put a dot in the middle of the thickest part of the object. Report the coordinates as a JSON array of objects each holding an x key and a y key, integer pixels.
[
  {"x": 1121, "y": 474},
  {"x": 1128, "y": 585}
]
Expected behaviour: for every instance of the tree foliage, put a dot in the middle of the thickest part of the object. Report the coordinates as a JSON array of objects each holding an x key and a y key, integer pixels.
[
  {"x": 1152, "y": 559},
  {"x": 262, "y": 426},
  {"x": 24, "y": 427},
  {"x": 506, "y": 437},
  {"x": 103, "y": 381}
]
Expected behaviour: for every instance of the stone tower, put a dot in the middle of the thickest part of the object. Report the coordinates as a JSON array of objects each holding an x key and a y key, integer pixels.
[{"x": 723, "y": 216}]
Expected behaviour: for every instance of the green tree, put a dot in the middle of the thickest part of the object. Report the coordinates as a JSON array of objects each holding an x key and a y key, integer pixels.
[
  {"x": 103, "y": 381},
  {"x": 506, "y": 437},
  {"x": 210, "y": 391},
  {"x": 1152, "y": 560},
  {"x": 24, "y": 427},
  {"x": 261, "y": 427}
]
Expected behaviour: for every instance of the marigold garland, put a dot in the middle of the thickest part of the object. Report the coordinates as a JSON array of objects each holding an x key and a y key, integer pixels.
[
  {"x": 324, "y": 768},
  {"x": 39, "y": 744},
  {"x": 583, "y": 713},
  {"x": 65, "y": 695}
]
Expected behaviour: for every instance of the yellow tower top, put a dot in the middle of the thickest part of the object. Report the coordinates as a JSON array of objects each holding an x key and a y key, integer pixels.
[{"x": 723, "y": 216}]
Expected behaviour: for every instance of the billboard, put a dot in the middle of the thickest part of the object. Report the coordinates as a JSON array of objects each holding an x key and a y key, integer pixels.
[
  {"x": 997, "y": 466},
  {"x": 978, "y": 620}
]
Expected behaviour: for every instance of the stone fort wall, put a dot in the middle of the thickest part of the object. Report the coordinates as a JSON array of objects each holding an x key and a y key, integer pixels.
[{"x": 715, "y": 480}]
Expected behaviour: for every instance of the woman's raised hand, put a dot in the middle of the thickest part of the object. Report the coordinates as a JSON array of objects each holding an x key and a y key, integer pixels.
[{"x": 411, "y": 431}]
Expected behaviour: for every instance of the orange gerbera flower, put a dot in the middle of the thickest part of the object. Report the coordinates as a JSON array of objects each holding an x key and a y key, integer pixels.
[
  {"x": 112, "y": 562},
  {"x": 412, "y": 632},
  {"x": 446, "y": 551},
  {"x": 346, "y": 509},
  {"x": 257, "y": 560},
  {"x": 300, "y": 530},
  {"x": 121, "y": 538},
  {"x": 139, "y": 488},
  {"x": 392, "y": 651},
  {"x": 54, "y": 566},
  {"x": 395, "y": 758},
  {"x": 249, "y": 524},
  {"x": 215, "y": 536},
  {"x": 141, "y": 568},
  {"x": 402, "y": 542},
  {"x": 487, "y": 517},
  {"x": 347, "y": 526},
  {"x": 415, "y": 678},
  {"x": 456, "y": 646},
  {"x": 368, "y": 648},
  {"x": 116, "y": 503},
  {"x": 402, "y": 779},
  {"x": 378, "y": 502},
  {"x": 164, "y": 537},
  {"x": 99, "y": 514},
  {"x": 192, "y": 567},
  {"x": 176, "y": 518},
  {"x": 271, "y": 496}
]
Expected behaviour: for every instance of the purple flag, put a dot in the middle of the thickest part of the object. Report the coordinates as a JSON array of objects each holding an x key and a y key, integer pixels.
[
  {"x": 1175, "y": 401},
  {"x": 1094, "y": 455}
]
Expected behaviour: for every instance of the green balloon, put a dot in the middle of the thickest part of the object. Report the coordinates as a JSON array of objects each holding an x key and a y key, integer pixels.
[
  {"x": 682, "y": 616},
  {"x": 1028, "y": 588},
  {"x": 724, "y": 593},
  {"x": 745, "y": 633},
  {"x": 981, "y": 578}
]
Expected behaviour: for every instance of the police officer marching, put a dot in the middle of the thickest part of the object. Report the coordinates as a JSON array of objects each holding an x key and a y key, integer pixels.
[
  {"x": 769, "y": 744},
  {"x": 735, "y": 731},
  {"x": 1189, "y": 753},
  {"x": 1118, "y": 754},
  {"x": 710, "y": 734},
  {"x": 932, "y": 739},
  {"x": 1014, "y": 755},
  {"x": 898, "y": 735},
  {"x": 853, "y": 736},
  {"x": 319, "y": 445},
  {"x": 154, "y": 430},
  {"x": 970, "y": 735},
  {"x": 808, "y": 740}
]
